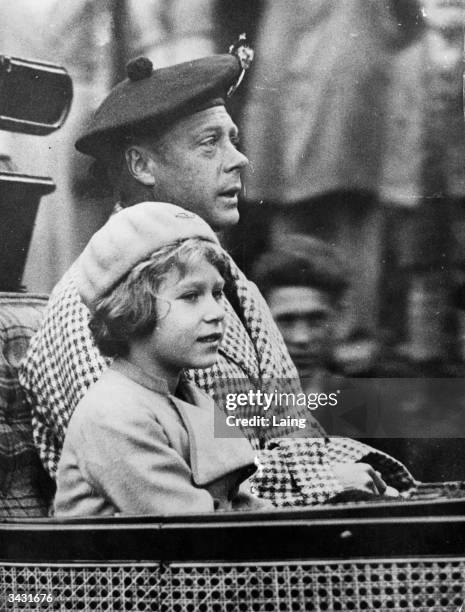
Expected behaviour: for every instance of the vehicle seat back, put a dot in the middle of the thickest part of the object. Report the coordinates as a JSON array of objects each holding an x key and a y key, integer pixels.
[{"x": 24, "y": 486}]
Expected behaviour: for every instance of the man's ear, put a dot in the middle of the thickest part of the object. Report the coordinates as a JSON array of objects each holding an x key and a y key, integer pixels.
[{"x": 140, "y": 164}]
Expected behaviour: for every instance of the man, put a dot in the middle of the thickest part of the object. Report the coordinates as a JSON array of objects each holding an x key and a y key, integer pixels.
[
  {"x": 304, "y": 280},
  {"x": 165, "y": 135}
]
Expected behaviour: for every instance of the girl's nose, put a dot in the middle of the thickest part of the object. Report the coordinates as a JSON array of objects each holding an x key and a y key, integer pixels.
[{"x": 214, "y": 310}]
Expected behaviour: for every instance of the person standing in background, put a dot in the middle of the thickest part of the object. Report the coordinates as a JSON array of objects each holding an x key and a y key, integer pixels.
[{"x": 314, "y": 126}]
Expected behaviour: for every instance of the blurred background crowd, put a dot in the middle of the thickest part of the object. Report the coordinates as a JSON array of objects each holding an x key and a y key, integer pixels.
[{"x": 352, "y": 118}]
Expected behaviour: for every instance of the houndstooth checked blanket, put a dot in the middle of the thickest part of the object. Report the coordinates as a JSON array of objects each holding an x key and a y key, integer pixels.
[{"x": 63, "y": 360}]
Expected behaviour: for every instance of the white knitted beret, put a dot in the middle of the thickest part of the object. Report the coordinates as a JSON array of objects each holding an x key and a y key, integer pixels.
[{"x": 128, "y": 237}]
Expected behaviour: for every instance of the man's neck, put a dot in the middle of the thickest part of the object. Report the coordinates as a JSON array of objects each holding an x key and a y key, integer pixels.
[{"x": 131, "y": 200}]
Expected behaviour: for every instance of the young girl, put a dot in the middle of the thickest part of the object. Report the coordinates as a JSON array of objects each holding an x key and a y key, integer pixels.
[{"x": 141, "y": 440}]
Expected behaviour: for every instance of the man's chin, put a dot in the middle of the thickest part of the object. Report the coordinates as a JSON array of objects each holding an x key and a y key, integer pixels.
[{"x": 226, "y": 219}]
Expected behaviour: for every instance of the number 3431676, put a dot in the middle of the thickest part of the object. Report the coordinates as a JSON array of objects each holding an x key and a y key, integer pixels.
[{"x": 29, "y": 597}]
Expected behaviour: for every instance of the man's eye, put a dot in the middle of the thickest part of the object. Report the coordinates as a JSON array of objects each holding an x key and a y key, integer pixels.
[
  {"x": 209, "y": 142},
  {"x": 236, "y": 141},
  {"x": 286, "y": 319}
]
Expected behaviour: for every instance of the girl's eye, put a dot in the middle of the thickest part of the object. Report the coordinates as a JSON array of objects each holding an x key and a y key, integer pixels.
[
  {"x": 218, "y": 294},
  {"x": 190, "y": 297}
]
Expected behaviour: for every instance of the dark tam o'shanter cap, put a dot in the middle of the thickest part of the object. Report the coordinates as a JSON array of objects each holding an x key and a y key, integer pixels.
[
  {"x": 302, "y": 261},
  {"x": 149, "y": 100}
]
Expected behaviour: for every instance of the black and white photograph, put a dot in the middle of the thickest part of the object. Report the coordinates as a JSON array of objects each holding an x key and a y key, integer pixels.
[{"x": 232, "y": 305}]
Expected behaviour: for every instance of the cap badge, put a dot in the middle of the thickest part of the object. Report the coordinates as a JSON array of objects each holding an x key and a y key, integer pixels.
[
  {"x": 185, "y": 215},
  {"x": 244, "y": 54}
]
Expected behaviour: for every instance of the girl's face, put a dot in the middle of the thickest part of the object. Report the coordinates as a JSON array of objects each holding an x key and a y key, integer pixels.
[{"x": 190, "y": 327}]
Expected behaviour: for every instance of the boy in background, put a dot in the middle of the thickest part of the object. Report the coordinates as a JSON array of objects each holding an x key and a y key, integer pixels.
[{"x": 304, "y": 281}]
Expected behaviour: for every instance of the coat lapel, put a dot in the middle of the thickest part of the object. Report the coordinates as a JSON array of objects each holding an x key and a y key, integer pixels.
[
  {"x": 237, "y": 345},
  {"x": 211, "y": 458}
]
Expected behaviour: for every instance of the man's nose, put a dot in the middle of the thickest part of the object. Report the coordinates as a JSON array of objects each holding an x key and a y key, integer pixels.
[
  {"x": 301, "y": 333},
  {"x": 235, "y": 160}
]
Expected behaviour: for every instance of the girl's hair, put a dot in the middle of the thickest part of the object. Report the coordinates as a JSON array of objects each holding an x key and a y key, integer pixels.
[{"x": 130, "y": 309}]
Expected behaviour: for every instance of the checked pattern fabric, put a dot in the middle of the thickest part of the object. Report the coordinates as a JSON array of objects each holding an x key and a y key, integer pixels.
[
  {"x": 21, "y": 474},
  {"x": 63, "y": 361}
]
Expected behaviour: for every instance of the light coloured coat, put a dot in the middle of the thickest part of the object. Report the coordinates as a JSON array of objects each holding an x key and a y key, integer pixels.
[{"x": 133, "y": 448}]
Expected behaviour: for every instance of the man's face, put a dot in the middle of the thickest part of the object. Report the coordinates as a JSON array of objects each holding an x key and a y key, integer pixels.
[
  {"x": 197, "y": 166},
  {"x": 305, "y": 318}
]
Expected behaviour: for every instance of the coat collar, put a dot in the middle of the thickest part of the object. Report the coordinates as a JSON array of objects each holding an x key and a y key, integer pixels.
[
  {"x": 154, "y": 383},
  {"x": 210, "y": 458},
  {"x": 237, "y": 345}
]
